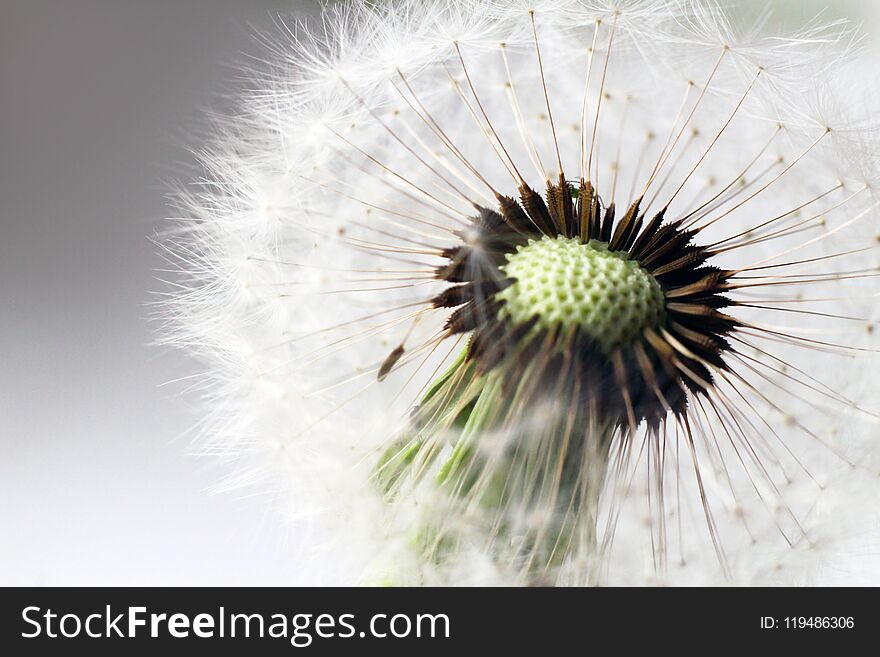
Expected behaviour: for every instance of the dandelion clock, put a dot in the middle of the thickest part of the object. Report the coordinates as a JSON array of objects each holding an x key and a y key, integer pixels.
[{"x": 548, "y": 293}]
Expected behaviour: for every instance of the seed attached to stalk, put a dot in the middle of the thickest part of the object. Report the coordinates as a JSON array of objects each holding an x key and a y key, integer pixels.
[{"x": 574, "y": 337}]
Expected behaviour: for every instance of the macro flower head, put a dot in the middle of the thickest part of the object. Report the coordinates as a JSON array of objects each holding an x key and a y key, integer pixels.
[{"x": 554, "y": 292}]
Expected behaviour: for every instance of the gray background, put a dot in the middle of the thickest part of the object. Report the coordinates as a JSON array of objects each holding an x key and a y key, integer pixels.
[{"x": 97, "y": 101}]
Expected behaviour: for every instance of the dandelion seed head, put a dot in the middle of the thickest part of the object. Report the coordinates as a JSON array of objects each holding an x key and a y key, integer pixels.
[{"x": 553, "y": 292}]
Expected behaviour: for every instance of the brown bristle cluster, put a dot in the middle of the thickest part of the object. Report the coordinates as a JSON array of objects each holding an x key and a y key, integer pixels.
[{"x": 641, "y": 381}]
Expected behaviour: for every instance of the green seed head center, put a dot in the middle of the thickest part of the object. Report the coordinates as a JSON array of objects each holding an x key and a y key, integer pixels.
[{"x": 566, "y": 283}]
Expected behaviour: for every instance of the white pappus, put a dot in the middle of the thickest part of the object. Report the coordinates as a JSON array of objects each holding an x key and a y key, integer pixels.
[{"x": 553, "y": 292}]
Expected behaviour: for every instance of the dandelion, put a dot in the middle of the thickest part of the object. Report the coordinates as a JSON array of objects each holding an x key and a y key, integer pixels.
[{"x": 560, "y": 292}]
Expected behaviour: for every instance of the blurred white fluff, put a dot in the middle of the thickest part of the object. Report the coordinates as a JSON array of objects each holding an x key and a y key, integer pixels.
[{"x": 328, "y": 153}]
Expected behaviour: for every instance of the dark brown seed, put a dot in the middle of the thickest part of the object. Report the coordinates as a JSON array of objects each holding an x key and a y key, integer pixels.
[{"x": 389, "y": 363}]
